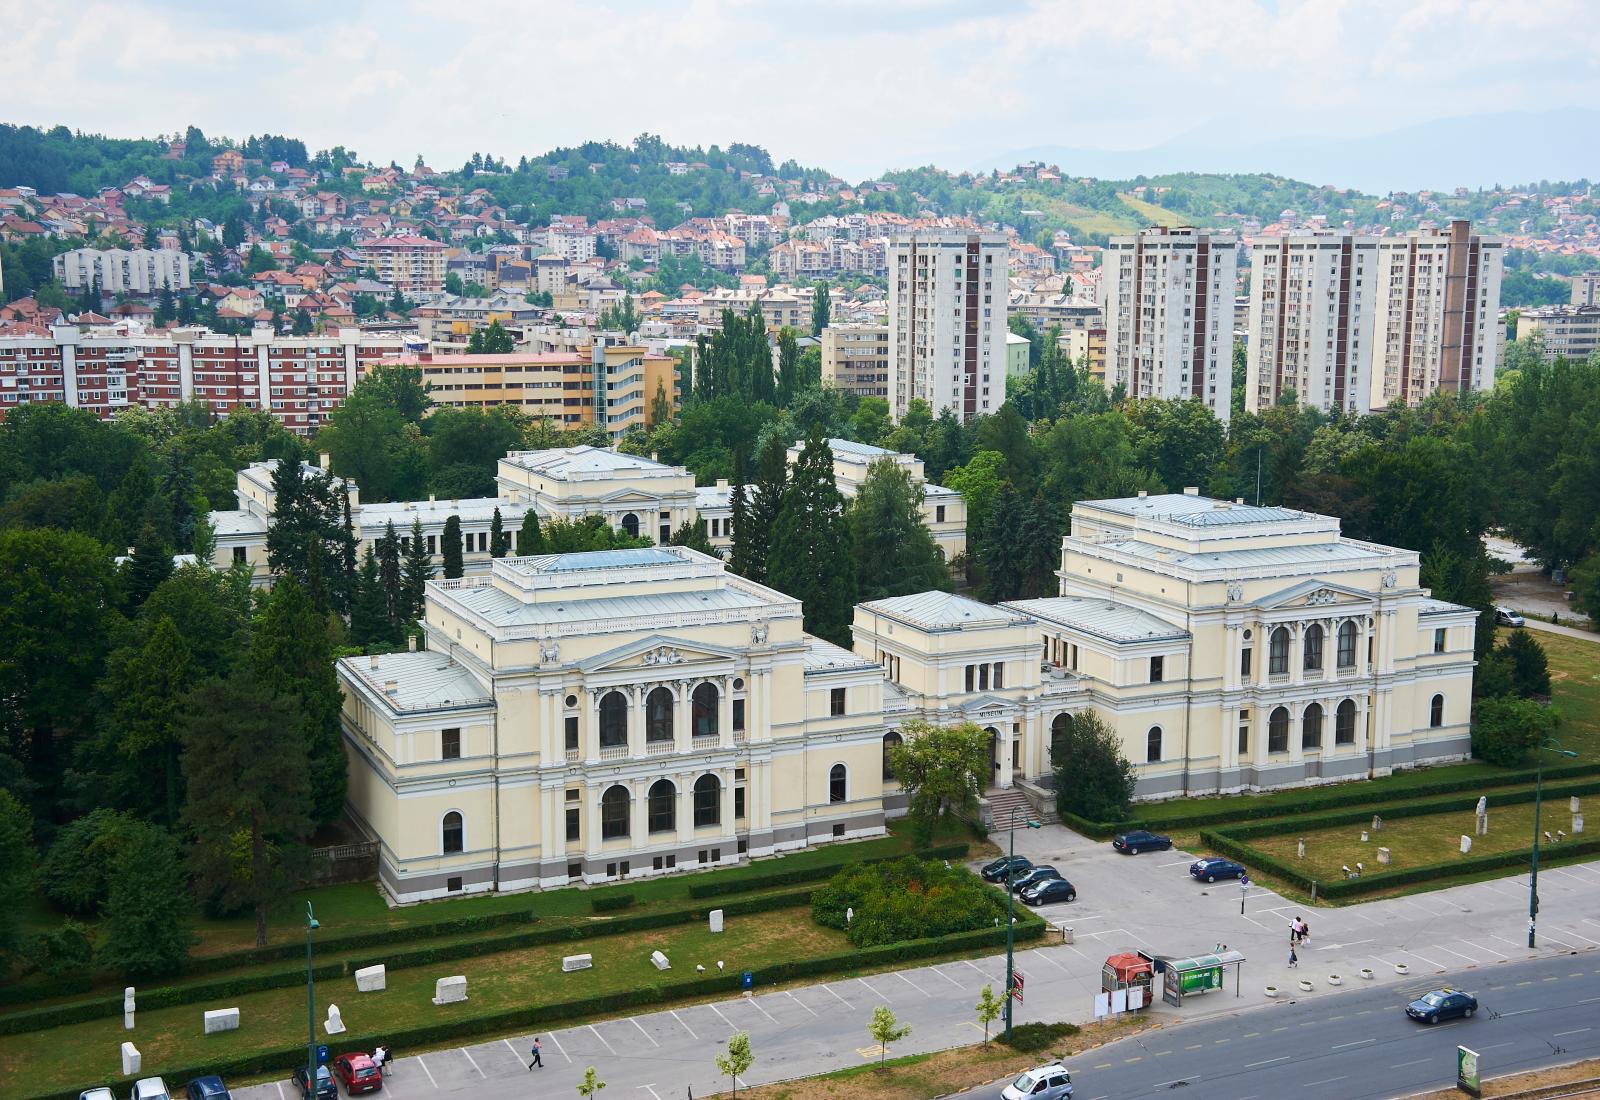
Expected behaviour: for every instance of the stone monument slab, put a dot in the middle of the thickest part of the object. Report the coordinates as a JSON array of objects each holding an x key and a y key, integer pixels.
[
  {"x": 1383, "y": 855},
  {"x": 449, "y": 991},
  {"x": 577, "y": 962},
  {"x": 132, "y": 1060},
  {"x": 716, "y": 920},
  {"x": 660, "y": 961},
  {"x": 372, "y": 979},
  {"x": 1466, "y": 844},
  {"x": 334, "y": 1024},
  {"x": 222, "y": 1019}
]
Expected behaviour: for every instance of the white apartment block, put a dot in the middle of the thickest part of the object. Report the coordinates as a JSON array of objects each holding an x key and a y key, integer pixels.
[
  {"x": 947, "y": 321},
  {"x": 123, "y": 270},
  {"x": 1565, "y": 332},
  {"x": 1168, "y": 301},
  {"x": 1311, "y": 321},
  {"x": 1586, "y": 289},
  {"x": 1437, "y": 314}
]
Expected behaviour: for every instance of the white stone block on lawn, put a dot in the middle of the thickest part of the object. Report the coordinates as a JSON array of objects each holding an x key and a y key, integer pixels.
[
  {"x": 660, "y": 961},
  {"x": 372, "y": 979},
  {"x": 131, "y": 1060},
  {"x": 447, "y": 991},
  {"x": 222, "y": 1019},
  {"x": 716, "y": 920},
  {"x": 577, "y": 962}
]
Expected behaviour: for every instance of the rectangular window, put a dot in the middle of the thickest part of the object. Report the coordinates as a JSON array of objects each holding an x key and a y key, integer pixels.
[
  {"x": 450, "y": 744},
  {"x": 1438, "y": 640},
  {"x": 738, "y": 715},
  {"x": 1244, "y": 663},
  {"x": 238, "y": 553},
  {"x": 572, "y": 733},
  {"x": 1157, "y": 668},
  {"x": 573, "y": 823},
  {"x": 971, "y": 672},
  {"x": 1244, "y": 738},
  {"x": 983, "y": 677},
  {"x": 999, "y": 675},
  {"x": 738, "y": 802},
  {"x": 938, "y": 513},
  {"x": 453, "y": 885},
  {"x": 574, "y": 870},
  {"x": 836, "y": 702},
  {"x": 1072, "y": 656},
  {"x": 432, "y": 547}
]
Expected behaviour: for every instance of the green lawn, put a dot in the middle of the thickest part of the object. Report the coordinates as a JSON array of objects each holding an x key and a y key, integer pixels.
[
  {"x": 1574, "y": 689},
  {"x": 1417, "y": 841},
  {"x": 68, "y": 1057}
]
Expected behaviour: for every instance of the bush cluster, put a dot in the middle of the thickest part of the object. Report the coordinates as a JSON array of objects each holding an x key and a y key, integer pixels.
[
  {"x": 609, "y": 902},
  {"x": 759, "y": 879},
  {"x": 905, "y": 898}
]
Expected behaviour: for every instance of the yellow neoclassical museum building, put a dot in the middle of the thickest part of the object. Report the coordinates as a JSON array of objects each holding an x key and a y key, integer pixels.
[{"x": 578, "y": 718}]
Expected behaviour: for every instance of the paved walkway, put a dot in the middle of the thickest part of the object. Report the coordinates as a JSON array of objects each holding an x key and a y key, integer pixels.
[
  {"x": 1146, "y": 901},
  {"x": 1561, "y": 628}
]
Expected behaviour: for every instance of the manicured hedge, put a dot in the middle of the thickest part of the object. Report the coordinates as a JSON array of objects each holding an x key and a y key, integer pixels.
[
  {"x": 162, "y": 997},
  {"x": 609, "y": 902},
  {"x": 1028, "y": 927},
  {"x": 757, "y": 879},
  {"x": 27, "y": 992}
]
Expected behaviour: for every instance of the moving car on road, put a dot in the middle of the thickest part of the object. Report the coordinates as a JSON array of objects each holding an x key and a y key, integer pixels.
[
  {"x": 1504, "y": 616},
  {"x": 1442, "y": 1004},
  {"x": 1048, "y": 892},
  {"x": 207, "y": 1088},
  {"x": 1141, "y": 841},
  {"x": 1051, "y": 1082},
  {"x": 996, "y": 871},
  {"x": 1211, "y": 868},
  {"x": 358, "y": 1072},
  {"x": 326, "y": 1089},
  {"x": 1033, "y": 876}
]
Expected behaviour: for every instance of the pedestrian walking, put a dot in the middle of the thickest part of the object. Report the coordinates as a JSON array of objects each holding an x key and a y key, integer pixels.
[
  {"x": 380, "y": 1058},
  {"x": 538, "y": 1059},
  {"x": 1294, "y": 960},
  {"x": 1305, "y": 932}
]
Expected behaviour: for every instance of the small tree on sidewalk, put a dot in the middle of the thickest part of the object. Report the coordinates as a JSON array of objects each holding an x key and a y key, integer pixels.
[
  {"x": 738, "y": 1059},
  {"x": 885, "y": 1029},
  {"x": 591, "y": 1084},
  {"x": 989, "y": 1007}
]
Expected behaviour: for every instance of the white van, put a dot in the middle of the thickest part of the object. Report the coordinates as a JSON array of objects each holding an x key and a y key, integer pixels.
[{"x": 1051, "y": 1082}]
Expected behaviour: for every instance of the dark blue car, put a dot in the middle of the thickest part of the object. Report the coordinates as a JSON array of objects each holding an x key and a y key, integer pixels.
[
  {"x": 326, "y": 1089},
  {"x": 1442, "y": 1004},
  {"x": 207, "y": 1088},
  {"x": 1211, "y": 868},
  {"x": 1140, "y": 841},
  {"x": 1048, "y": 892},
  {"x": 996, "y": 871}
]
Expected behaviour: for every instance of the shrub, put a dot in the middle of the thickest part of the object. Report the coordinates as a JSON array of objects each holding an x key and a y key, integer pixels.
[
  {"x": 904, "y": 899},
  {"x": 1505, "y": 730},
  {"x": 1530, "y": 671},
  {"x": 147, "y": 926},
  {"x": 609, "y": 902},
  {"x": 65, "y": 951},
  {"x": 1032, "y": 1038},
  {"x": 756, "y": 878},
  {"x": 1092, "y": 777},
  {"x": 77, "y": 870}
]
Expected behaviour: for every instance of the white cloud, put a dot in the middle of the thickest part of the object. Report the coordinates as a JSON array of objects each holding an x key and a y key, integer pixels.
[{"x": 855, "y": 85}]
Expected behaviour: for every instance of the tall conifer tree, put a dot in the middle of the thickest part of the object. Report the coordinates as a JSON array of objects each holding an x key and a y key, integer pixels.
[{"x": 810, "y": 555}]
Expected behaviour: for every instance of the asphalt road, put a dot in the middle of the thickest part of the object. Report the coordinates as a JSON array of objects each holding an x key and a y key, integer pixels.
[{"x": 1357, "y": 1044}]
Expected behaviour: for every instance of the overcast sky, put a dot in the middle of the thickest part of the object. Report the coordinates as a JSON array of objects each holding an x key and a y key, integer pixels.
[{"x": 852, "y": 86}]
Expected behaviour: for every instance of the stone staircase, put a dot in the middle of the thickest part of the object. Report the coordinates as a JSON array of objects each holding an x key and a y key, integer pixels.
[{"x": 1000, "y": 804}]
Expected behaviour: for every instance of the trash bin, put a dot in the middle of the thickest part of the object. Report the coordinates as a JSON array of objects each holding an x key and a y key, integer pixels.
[{"x": 1066, "y": 934}]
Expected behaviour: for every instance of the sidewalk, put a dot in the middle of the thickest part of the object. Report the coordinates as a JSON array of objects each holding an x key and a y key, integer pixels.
[
  {"x": 1146, "y": 902},
  {"x": 1561, "y": 628}
]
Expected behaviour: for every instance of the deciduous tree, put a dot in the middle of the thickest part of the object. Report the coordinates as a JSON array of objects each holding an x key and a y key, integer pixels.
[{"x": 942, "y": 769}]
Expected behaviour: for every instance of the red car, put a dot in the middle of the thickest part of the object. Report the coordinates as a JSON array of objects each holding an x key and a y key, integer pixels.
[{"x": 358, "y": 1073}]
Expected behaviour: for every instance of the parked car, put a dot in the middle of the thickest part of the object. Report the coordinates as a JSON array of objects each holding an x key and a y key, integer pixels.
[
  {"x": 1140, "y": 841},
  {"x": 996, "y": 871},
  {"x": 326, "y": 1089},
  {"x": 1033, "y": 876},
  {"x": 1504, "y": 616},
  {"x": 150, "y": 1088},
  {"x": 1051, "y": 1082},
  {"x": 1442, "y": 1004},
  {"x": 1211, "y": 868},
  {"x": 1048, "y": 892},
  {"x": 96, "y": 1094},
  {"x": 207, "y": 1088},
  {"x": 358, "y": 1072}
]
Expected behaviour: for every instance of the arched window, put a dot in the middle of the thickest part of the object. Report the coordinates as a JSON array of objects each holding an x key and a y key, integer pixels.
[
  {"x": 836, "y": 783},
  {"x": 705, "y": 710},
  {"x": 1313, "y": 647},
  {"x": 1436, "y": 712},
  {"x": 630, "y": 525},
  {"x": 452, "y": 834},
  {"x": 663, "y": 799},
  {"x": 707, "y": 801},
  {"x": 1344, "y": 723},
  {"x": 658, "y": 715},
  {"x": 1311, "y": 727},
  {"x": 1347, "y": 645},
  {"x": 614, "y": 805},
  {"x": 890, "y": 740},
  {"x": 613, "y": 720},
  {"x": 1278, "y": 730},
  {"x": 1152, "y": 746},
  {"x": 1278, "y": 652}
]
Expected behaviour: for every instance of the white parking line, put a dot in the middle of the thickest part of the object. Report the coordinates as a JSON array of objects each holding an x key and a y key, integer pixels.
[
  {"x": 512, "y": 1049},
  {"x": 799, "y": 1002},
  {"x": 1580, "y": 935},
  {"x": 643, "y": 1032},
  {"x": 1363, "y": 916},
  {"x": 602, "y": 1039},
  {"x": 1558, "y": 939},
  {"x": 1176, "y": 863},
  {"x": 836, "y": 996},
  {"x": 1447, "y": 951},
  {"x": 764, "y": 1012},
  {"x": 1051, "y": 961},
  {"x": 280, "y": 1089},
  {"x": 725, "y": 1020},
  {"x": 1424, "y": 958},
  {"x": 945, "y": 976},
  {"x": 685, "y": 1026},
  {"x": 650, "y": 1088},
  {"x": 1493, "y": 954},
  {"x": 875, "y": 993},
  {"x": 912, "y": 984},
  {"x": 557, "y": 1041},
  {"x": 469, "y": 1059},
  {"x": 428, "y": 1071}
]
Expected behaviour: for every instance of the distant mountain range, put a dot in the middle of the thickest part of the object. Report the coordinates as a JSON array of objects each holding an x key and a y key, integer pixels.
[{"x": 1474, "y": 151}]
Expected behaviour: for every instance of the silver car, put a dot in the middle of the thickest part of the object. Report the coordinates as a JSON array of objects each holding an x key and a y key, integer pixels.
[
  {"x": 150, "y": 1088},
  {"x": 1051, "y": 1082},
  {"x": 96, "y": 1094}
]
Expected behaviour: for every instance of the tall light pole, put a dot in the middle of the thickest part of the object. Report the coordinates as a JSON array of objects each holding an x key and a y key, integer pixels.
[
  {"x": 1554, "y": 746},
  {"x": 1011, "y": 870},
  {"x": 311, "y": 1010}
]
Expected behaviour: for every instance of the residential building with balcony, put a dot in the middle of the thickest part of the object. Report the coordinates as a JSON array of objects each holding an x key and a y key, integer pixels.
[
  {"x": 855, "y": 359},
  {"x": 411, "y": 265},
  {"x": 115, "y": 271},
  {"x": 597, "y": 717},
  {"x": 1565, "y": 332},
  {"x": 947, "y": 321}
]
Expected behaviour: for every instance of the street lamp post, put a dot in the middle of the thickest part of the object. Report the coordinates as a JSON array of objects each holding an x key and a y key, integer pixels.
[
  {"x": 1011, "y": 827},
  {"x": 311, "y": 1010},
  {"x": 1538, "y": 792}
]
